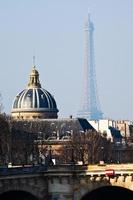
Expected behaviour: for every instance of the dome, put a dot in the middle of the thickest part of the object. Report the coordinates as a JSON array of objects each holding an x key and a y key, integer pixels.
[{"x": 34, "y": 101}]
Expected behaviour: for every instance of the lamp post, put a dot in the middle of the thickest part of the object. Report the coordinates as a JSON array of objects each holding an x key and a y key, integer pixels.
[
  {"x": 50, "y": 161},
  {"x": 102, "y": 150},
  {"x": 82, "y": 155},
  {"x": 72, "y": 156},
  {"x": 118, "y": 155}
]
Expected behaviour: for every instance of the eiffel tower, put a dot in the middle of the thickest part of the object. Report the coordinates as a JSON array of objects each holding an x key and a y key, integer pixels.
[{"x": 90, "y": 105}]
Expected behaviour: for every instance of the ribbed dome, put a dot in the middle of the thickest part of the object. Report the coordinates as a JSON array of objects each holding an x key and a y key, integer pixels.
[
  {"x": 34, "y": 102},
  {"x": 34, "y": 99}
]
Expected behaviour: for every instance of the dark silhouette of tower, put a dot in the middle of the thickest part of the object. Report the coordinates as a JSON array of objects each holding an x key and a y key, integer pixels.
[{"x": 90, "y": 106}]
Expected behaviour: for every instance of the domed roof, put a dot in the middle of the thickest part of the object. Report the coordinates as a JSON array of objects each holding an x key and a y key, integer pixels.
[{"x": 34, "y": 98}]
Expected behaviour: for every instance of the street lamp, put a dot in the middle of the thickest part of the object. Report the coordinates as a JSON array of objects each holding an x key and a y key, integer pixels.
[
  {"x": 50, "y": 161},
  {"x": 102, "y": 150},
  {"x": 72, "y": 156},
  {"x": 118, "y": 155},
  {"x": 82, "y": 155}
]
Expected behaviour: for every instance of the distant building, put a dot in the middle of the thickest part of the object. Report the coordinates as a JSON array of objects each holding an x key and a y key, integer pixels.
[
  {"x": 113, "y": 128},
  {"x": 124, "y": 127},
  {"x": 35, "y": 124}
]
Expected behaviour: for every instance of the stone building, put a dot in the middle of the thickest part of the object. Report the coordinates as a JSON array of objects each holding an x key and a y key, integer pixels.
[
  {"x": 121, "y": 128},
  {"x": 35, "y": 123}
]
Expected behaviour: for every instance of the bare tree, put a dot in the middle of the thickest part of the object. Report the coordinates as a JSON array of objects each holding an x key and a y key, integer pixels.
[
  {"x": 5, "y": 140},
  {"x": 84, "y": 147}
]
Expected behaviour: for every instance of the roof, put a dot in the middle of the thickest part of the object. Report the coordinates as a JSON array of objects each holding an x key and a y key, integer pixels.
[
  {"x": 34, "y": 99},
  {"x": 85, "y": 124},
  {"x": 115, "y": 132},
  {"x": 50, "y": 127}
]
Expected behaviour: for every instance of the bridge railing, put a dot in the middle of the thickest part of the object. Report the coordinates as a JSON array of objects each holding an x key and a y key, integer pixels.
[
  {"x": 14, "y": 170},
  {"x": 69, "y": 168}
]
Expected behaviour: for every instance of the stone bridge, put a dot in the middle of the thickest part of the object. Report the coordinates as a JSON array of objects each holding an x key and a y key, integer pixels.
[{"x": 65, "y": 182}]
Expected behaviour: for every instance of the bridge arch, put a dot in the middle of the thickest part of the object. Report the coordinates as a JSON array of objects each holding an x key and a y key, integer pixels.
[
  {"x": 17, "y": 194},
  {"x": 111, "y": 192}
]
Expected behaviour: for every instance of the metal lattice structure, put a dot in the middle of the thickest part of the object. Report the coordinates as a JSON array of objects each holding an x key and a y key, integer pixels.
[{"x": 90, "y": 105}]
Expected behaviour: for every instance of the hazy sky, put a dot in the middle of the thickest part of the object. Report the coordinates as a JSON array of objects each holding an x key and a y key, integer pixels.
[{"x": 52, "y": 30}]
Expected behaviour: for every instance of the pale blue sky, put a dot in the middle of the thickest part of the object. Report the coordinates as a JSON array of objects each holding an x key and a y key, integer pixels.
[{"x": 52, "y": 30}]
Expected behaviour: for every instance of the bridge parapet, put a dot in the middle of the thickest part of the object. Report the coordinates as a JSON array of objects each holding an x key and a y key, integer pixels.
[
  {"x": 67, "y": 181},
  {"x": 75, "y": 181}
]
